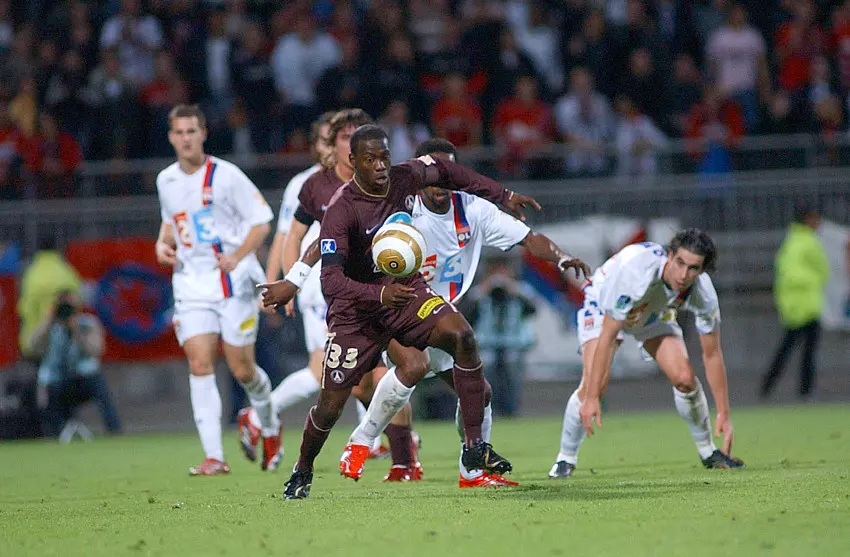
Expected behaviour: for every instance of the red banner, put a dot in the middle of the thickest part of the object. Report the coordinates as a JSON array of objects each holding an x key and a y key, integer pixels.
[
  {"x": 8, "y": 320},
  {"x": 131, "y": 295}
]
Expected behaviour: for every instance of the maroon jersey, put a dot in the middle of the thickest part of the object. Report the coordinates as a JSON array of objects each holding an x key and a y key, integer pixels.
[
  {"x": 315, "y": 196},
  {"x": 351, "y": 282}
]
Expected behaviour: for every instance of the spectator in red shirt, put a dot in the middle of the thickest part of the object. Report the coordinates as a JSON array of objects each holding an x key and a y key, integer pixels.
[
  {"x": 522, "y": 126},
  {"x": 167, "y": 90},
  {"x": 10, "y": 156},
  {"x": 715, "y": 126},
  {"x": 455, "y": 116},
  {"x": 798, "y": 41},
  {"x": 53, "y": 157}
]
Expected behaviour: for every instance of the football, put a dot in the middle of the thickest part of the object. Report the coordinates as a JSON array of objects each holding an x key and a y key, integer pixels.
[{"x": 398, "y": 249}]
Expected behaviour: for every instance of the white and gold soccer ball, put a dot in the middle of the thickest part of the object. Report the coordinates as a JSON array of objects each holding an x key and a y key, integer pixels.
[{"x": 398, "y": 249}]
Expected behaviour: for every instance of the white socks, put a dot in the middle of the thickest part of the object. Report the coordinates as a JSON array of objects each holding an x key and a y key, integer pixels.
[
  {"x": 693, "y": 407},
  {"x": 259, "y": 390},
  {"x": 572, "y": 431},
  {"x": 295, "y": 387},
  {"x": 361, "y": 415},
  {"x": 486, "y": 427},
  {"x": 390, "y": 396},
  {"x": 206, "y": 407}
]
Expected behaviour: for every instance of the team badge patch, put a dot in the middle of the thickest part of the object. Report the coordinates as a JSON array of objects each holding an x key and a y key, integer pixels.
[
  {"x": 429, "y": 306},
  {"x": 337, "y": 376},
  {"x": 328, "y": 246},
  {"x": 622, "y": 301}
]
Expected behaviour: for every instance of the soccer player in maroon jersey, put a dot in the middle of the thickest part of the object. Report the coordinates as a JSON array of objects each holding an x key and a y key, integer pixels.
[{"x": 367, "y": 309}]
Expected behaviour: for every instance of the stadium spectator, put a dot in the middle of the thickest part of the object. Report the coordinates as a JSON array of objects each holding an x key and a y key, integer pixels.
[
  {"x": 455, "y": 116},
  {"x": 798, "y": 42},
  {"x": 736, "y": 54},
  {"x": 69, "y": 344},
  {"x": 523, "y": 127},
  {"x": 137, "y": 37},
  {"x": 10, "y": 156},
  {"x": 503, "y": 70},
  {"x": 499, "y": 311},
  {"x": 404, "y": 135},
  {"x": 593, "y": 50},
  {"x": 217, "y": 83},
  {"x": 253, "y": 82},
  {"x": 585, "y": 123},
  {"x": 41, "y": 282},
  {"x": 538, "y": 38},
  {"x": 23, "y": 109},
  {"x": 298, "y": 61},
  {"x": 638, "y": 141},
  {"x": 7, "y": 32},
  {"x": 53, "y": 157},
  {"x": 643, "y": 82},
  {"x": 167, "y": 89},
  {"x": 394, "y": 78},
  {"x": 342, "y": 85},
  {"x": 684, "y": 92},
  {"x": 111, "y": 98},
  {"x": 802, "y": 271},
  {"x": 715, "y": 126}
]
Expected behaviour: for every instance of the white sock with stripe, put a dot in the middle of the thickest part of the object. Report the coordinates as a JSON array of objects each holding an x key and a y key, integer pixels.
[
  {"x": 572, "y": 431},
  {"x": 390, "y": 396},
  {"x": 259, "y": 390},
  {"x": 693, "y": 407},
  {"x": 206, "y": 408}
]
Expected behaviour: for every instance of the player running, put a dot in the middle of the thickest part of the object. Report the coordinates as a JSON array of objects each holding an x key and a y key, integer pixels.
[
  {"x": 368, "y": 308},
  {"x": 638, "y": 291},
  {"x": 456, "y": 225},
  {"x": 213, "y": 220}
]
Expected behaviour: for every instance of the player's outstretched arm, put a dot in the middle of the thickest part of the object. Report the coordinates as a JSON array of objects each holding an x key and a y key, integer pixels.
[
  {"x": 166, "y": 245},
  {"x": 453, "y": 176},
  {"x": 600, "y": 370},
  {"x": 281, "y": 292},
  {"x": 542, "y": 247},
  {"x": 715, "y": 371}
]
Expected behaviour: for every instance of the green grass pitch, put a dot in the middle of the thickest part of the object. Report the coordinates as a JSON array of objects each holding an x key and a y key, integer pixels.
[{"x": 639, "y": 490}]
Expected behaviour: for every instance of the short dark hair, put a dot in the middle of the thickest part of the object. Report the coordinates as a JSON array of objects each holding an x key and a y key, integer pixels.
[
  {"x": 697, "y": 242},
  {"x": 366, "y": 133},
  {"x": 348, "y": 117},
  {"x": 436, "y": 145},
  {"x": 803, "y": 211},
  {"x": 187, "y": 111},
  {"x": 316, "y": 126}
]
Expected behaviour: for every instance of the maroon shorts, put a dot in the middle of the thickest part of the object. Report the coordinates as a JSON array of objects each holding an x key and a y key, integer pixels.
[{"x": 355, "y": 343}]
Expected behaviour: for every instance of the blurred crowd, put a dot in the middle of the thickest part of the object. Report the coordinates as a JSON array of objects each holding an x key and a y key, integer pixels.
[{"x": 95, "y": 80}]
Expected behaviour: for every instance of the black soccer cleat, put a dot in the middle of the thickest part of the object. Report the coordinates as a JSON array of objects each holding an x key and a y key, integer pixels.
[
  {"x": 481, "y": 456},
  {"x": 561, "y": 470},
  {"x": 298, "y": 486},
  {"x": 720, "y": 461}
]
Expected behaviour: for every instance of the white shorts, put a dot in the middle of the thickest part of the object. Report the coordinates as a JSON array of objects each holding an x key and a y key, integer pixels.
[
  {"x": 234, "y": 319},
  {"x": 315, "y": 327},
  {"x": 589, "y": 321},
  {"x": 438, "y": 361}
]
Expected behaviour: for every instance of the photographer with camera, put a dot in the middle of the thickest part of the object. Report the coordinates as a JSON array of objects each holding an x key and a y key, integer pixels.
[
  {"x": 499, "y": 310},
  {"x": 70, "y": 344}
]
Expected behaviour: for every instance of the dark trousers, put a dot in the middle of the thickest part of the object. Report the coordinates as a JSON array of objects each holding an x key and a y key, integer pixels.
[
  {"x": 64, "y": 397},
  {"x": 810, "y": 334}
]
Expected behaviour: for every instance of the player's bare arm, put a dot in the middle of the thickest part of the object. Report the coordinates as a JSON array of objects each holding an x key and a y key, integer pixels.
[
  {"x": 542, "y": 247},
  {"x": 166, "y": 245},
  {"x": 274, "y": 262},
  {"x": 256, "y": 236},
  {"x": 715, "y": 371},
  {"x": 454, "y": 176},
  {"x": 600, "y": 370}
]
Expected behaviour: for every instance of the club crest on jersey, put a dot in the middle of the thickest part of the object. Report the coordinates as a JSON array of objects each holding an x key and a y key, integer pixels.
[
  {"x": 337, "y": 376},
  {"x": 622, "y": 301},
  {"x": 328, "y": 246}
]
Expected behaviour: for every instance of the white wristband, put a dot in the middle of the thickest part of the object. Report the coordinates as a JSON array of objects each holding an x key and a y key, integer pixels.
[{"x": 298, "y": 273}]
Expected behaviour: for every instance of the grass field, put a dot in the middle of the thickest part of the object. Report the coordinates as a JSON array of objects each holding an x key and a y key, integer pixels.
[{"x": 639, "y": 491}]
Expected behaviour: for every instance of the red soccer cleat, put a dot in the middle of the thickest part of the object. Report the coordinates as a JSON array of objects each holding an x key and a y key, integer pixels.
[
  {"x": 402, "y": 473},
  {"x": 209, "y": 467},
  {"x": 352, "y": 460},
  {"x": 486, "y": 479},
  {"x": 249, "y": 434},
  {"x": 381, "y": 452},
  {"x": 272, "y": 452},
  {"x": 416, "y": 470}
]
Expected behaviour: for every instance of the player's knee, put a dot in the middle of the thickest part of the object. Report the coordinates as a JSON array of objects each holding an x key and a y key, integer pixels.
[
  {"x": 684, "y": 381},
  {"x": 464, "y": 341},
  {"x": 411, "y": 370},
  {"x": 201, "y": 366},
  {"x": 326, "y": 413}
]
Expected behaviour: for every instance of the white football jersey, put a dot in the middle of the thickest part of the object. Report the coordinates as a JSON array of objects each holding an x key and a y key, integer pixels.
[
  {"x": 311, "y": 292},
  {"x": 628, "y": 287},
  {"x": 212, "y": 212},
  {"x": 455, "y": 240}
]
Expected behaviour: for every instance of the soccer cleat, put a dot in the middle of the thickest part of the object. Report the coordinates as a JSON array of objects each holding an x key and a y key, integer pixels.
[
  {"x": 352, "y": 460},
  {"x": 272, "y": 452},
  {"x": 380, "y": 453},
  {"x": 721, "y": 461},
  {"x": 298, "y": 485},
  {"x": 486, "y": 480},
  {"x": 402, "y": 473},
  {"x": 249, "y": 434},
  {"x": 416, "y": 470},
  {"x": 481, "y": 456},
  {"x": 209, "y": 467},
  {"x": 561, "y": 470}
]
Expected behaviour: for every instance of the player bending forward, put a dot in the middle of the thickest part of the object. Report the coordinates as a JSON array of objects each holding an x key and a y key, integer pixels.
[
  {"x": 638, "y": 291},
  {"x": 455, "y": 225},
  {"x": 213, "y": 219},
  {"x": 367, "y": 309}
]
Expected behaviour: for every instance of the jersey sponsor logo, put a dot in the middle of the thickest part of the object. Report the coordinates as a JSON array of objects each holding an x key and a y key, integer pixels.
[
  {"x": 452, "y": 269},
  {"x": 429, "y": 306},
  {"x": 622, "y": 302},
  {"x": 328, "y": 245},
  {"x": 248, "y": 325},
  {"x": 428, "y": 267},
  {"x": 205, "y": 226},
  {"x": 184, "y": 233}
]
